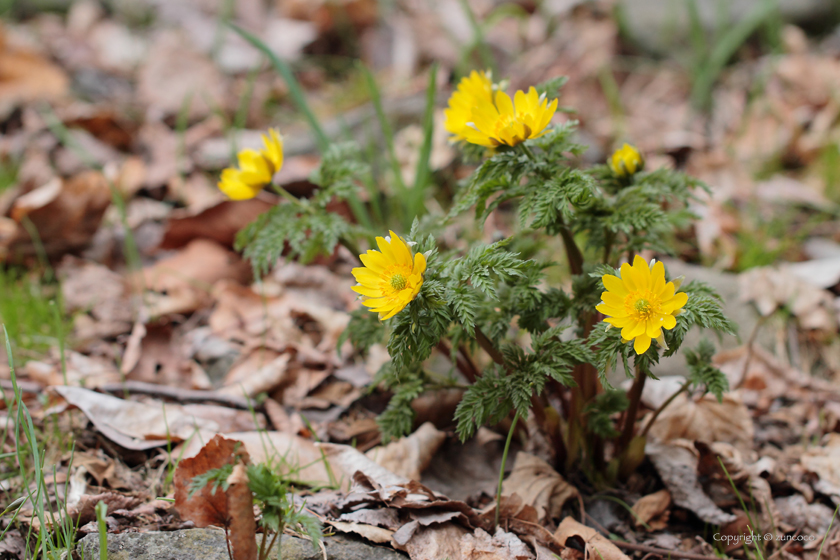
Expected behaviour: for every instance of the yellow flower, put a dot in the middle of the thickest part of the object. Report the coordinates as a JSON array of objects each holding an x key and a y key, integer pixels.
[
  {"x": 641, "y": 303},
  {"x": 256, "y": 168},
  {"x": 470, "y": 90},
  {"x": 509, "y": 122},
  {"x": 273, "y": 151},
  {"x": 626, "y": 161},
  {"x": 235, "y": 188},
  {"x": 391, "y": 278}
]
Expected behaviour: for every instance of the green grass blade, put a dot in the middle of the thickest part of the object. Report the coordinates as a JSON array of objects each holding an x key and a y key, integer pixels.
[
  {"x": 387, "y": 132},
  {"x": 421, "y": 178},
  {"x": 295, "y": 90}
]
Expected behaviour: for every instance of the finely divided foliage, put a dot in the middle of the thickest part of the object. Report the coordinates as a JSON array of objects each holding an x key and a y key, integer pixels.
[{"x": 545, "y": 344}]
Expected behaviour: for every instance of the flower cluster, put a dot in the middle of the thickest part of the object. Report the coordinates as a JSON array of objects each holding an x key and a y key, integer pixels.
[
  {"x": 478, "y": 116},
  {"x": 256, "y": 168}
]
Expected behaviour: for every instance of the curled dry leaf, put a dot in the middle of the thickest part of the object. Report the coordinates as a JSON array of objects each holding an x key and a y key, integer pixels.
[
  {"x": 501, "y": 546},
  {"x": 66, "y": 215},
  {"x": 136, "y": 425},
  {"x": 706, "y": 419},
  {"x": 409, "y": 456},
  {"x": 595, "y": 545},
  {"x": 94, "y": 289},
  {"x": 80, "y": 370},
  {"x": 240, "y": 505},
  {"x": 652, "y": 511},
  {"x": 539, "y": 486},
  {"x": 676, "y": 464}
]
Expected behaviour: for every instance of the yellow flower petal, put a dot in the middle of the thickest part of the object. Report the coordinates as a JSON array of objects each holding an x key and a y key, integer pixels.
[{"x": 641, "y": 344}]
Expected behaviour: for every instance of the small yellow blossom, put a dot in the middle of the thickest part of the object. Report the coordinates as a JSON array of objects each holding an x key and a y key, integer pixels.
[
  {"x": 626, "y": 161},
  {"x": 471, "y": 89},
  {"x": 256, "y": 168},
  {"x": 391, "y": 277},
  {"x": 507, "y": 121},
  {"x": 641, "y": 303}
]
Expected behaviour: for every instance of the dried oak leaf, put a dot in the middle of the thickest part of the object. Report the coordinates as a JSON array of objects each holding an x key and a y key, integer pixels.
[{"x": 207, "y": 507}]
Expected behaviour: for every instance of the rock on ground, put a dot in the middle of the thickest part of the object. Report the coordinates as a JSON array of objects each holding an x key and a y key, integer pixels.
[{"x": 209, "y": 544}]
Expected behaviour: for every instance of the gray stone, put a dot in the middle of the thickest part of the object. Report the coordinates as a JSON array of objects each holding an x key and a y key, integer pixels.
[
  {"x": 658, "y": 25},
  {"x": 209, "y": 544}
]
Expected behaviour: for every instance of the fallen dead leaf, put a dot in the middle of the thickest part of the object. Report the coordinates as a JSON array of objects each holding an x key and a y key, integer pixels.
[
  {"x": 501, "y": 546},
  {"x": 92, "y": 288},
  {"x": 183, "y": 282},
  {"x": 409, "y": 456},
  {"x": 79, "y": 370},
  {"x": 26, "y": 76},
  {"x": 136, "y": 425},
  {"x": 66, "y": 215},
  {"x": 652, "y": 511},
  {"x": 706, "y": 419},
  {"x": 220, "y": 223},
  {"x": 595, "y": 545},
  {"x": 231, "y": 508},
  {"x": 824, "y": 462},
  {"x": 539, "y": 486},
  {"x": 771, "y": 288},
  {"x": 676, "y": 464},
  {"x": 369, "y": 532},
  {"x": 259, "y": 372}
]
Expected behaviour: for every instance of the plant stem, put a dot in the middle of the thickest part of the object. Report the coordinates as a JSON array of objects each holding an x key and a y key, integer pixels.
[
  {"x": 489, "y": 347},
  {"x": 662, "y": 407},
  {"x": 502, "y": 470},
  {"x": 630, "y": 416}
]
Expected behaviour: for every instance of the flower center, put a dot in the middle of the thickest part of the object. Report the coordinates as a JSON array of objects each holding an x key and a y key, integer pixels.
[
  {"x": 398, "y": 281},
  {"x": 642, "y": 306}
]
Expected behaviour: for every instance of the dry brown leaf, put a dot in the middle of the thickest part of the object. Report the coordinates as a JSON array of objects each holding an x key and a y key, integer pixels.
[
  {"x": 220, "y": 223},
  {"x": 653, "y": 511},
  {"x": 435, "y": 543},
  {"x": 183, "y": 282},
  {"x": 206, "y": 507},
  {"x": 66, "y": 214},
  {"x": 286, "y": 452},
  {"x": 539, "y": 486},
  {"x": 595, "y": 545},
  {"x": 95, "y": 289},
  {"x": 409, "y": 456},
  {"x": 80, "y": 370},
  {"x": 707, "y": 420},
  {"x": 824, "y": 462},
  {"x": 83, "y": 511},
  {"x": 676, "y": 464},
  {"x": 369, "y": 532},
  {"x": 136, "y": 425},
  {"x": 260, "y": 372},
  {"x": 348, "y": 461},
  {"x": 27, "y": 76}
]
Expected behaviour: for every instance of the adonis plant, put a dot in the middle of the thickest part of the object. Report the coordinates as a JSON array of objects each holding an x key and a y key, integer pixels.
[{"x": 527, "y": 351}]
